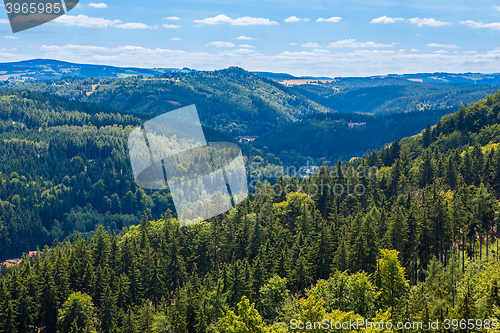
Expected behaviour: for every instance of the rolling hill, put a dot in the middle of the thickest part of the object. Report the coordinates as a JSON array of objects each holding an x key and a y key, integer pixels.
[{"x": 233, "y": 101}]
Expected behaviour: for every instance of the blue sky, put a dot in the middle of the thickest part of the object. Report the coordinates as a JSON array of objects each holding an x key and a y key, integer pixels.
[{"x": 321, "y": 38}]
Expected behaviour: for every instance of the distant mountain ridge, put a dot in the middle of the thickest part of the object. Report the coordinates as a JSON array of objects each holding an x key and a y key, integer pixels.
[
  {"x": 392, "y": 79},
  {"x": 50, "y": 69}
]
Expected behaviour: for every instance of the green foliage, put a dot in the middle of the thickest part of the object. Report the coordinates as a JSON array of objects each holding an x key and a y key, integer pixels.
[
  {"x": 274, "y": 294},
  {"x": 248, "y": 320},
  {"x": 76, "y": 314},
  {"x": 392, "y": 278}
]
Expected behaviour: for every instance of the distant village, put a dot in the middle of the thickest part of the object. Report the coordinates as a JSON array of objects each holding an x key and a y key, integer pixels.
[
  {"x": 16, "y": 262},
  {"x": 246, "y": 138},
  {"x": 306, "y": 172},
  {"x": 352, "y": 125}
]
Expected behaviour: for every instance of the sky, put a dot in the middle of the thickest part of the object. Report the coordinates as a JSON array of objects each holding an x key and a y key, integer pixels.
[{"x": 316, "y": 38}]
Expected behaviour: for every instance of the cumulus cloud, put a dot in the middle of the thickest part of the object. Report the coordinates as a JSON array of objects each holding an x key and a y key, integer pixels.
[
  {"x": 496, "y": 7},
  {"x": 71, "y": 47},
  {"x": 334, "y": 19},
  {"x": 245, "y": 38},
  {"x": 133, "y": 25},
  {"x": 429, "y": 22},
  {"x": 246, "y": 45},
  {"x": 99, "y": 22},
  {"x": 479, "y": 25},
  {"x": 221, "y": 44},
  {"x": 310, "y": 44},
  {"x": 414, "y": 50},
  {"x": 98, "y": 5},
  {"x": 292, "y": 19},
  {"x": 293, "y": 43},
  {"x": 220, "y": 19},
  {"x": 446, "y": 46},
  {"x": 85, "y": 21},
  {"x": 4, "y": 21},
  {"x": 176, "y": 38},
  {"x": 173, "y": 18},
  {"x": 352, "y": 43},
  {"x": 252, "y": 21},
  {"x": 171, "y": 26},
  {"x": 385, "y": 20},
  {"x": 11, "y": 37}
]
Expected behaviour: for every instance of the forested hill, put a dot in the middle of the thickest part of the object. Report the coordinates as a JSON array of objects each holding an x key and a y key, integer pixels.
[
  {"x": 383, "y": 95},
  {"x": 327, "y": 137},
  {"x": 232, "y": 100},
  {"x": 407, "y": 234},
  {"x": 64, "y": 168}
]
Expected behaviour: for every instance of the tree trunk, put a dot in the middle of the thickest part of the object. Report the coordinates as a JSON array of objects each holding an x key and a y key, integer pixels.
[
  {"x": 480, "y": 247},
  {"x": 487, "y": 245},
  {"x": 463, "y": 254}
]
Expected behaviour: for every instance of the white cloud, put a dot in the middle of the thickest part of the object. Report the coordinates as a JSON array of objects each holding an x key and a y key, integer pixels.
[
  {"x": 173, "y": 18},
  {"x": 293, "y": 43},
  {"x": 220, "y": 19},
  {"x": 133, "y": 25},
  {"x": 311, "y": 44},
  {"x": 11, "y": 37},
  {"x": 385, "y": 20},
  {"x": 479, "y": 25},
  {"x": 99, "y": 22},
  {"x": 294, "y": 18},
  {"x": 430, "y": 22},
  {"x": 85, "y": 21},
  {"x": 446, "y": 46},
  {"x": 171, "y": 26},
  {"x": 334, "y": 19},
  {"x": 176, "y": 38},
  {"x": 246, "y": 45},
  {"x": 440, "y": 51},
  {"x": 496, "y": 7},
  {"x": 351, "y": 43},
  {"x": 252, "y": 21},
  {"x": 98, "y": 5},
  {"x": 70, "y": 47},
  {"x": 131, "y": 48},
  {"x": 414, "y": 50},
  {"x": 221, "y": 44},
  {"x": 4, "y": 21},
  {"x": 245, "y": 38}
]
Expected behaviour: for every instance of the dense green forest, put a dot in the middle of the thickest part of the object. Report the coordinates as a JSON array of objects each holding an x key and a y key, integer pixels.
[
  {"x": 327, "y": 137},
  {"x": 233, "y": 100},
  {"x": 416, "y": 240},
  {"x": 65, "y": 169}
]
